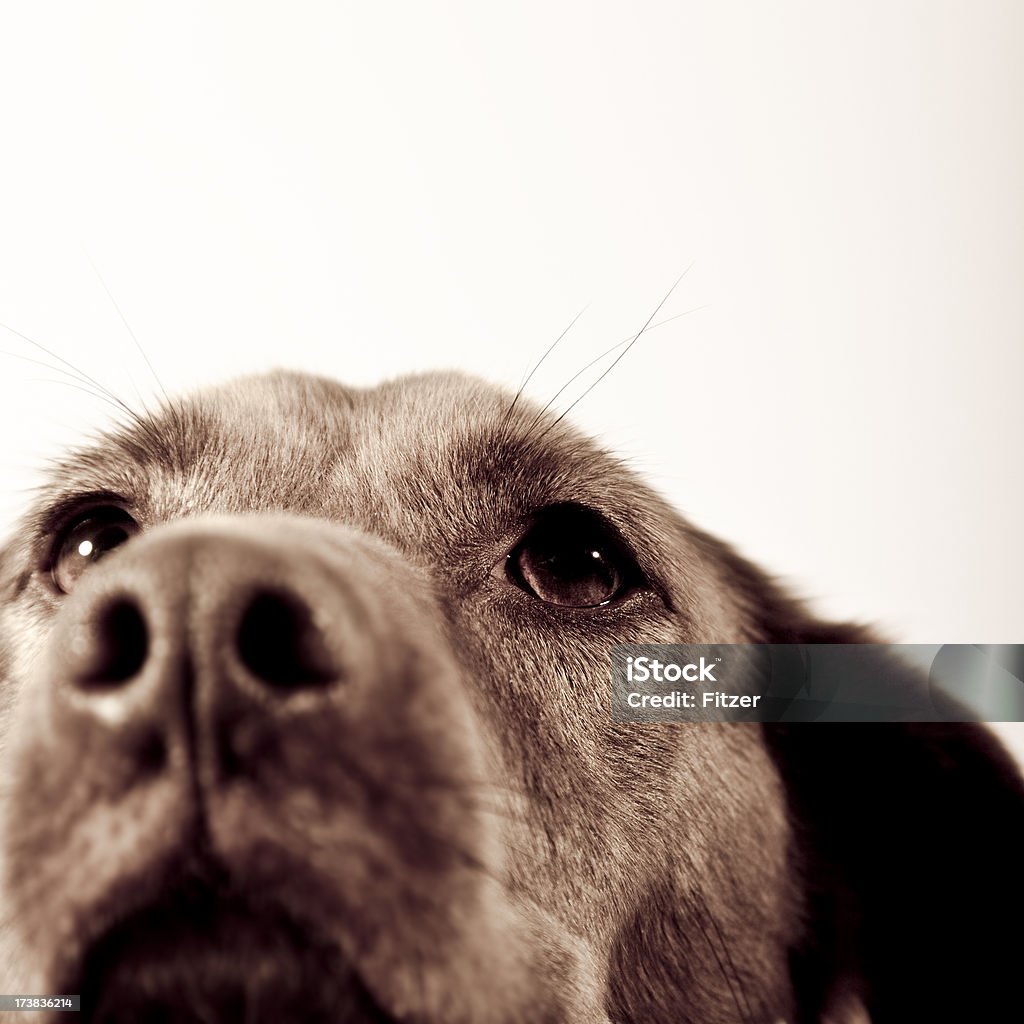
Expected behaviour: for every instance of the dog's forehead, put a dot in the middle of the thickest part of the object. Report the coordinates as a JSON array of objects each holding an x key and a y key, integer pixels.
[{"x": 416, "y": 453}]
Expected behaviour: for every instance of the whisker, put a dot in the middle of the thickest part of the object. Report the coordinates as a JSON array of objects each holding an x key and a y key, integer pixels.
[
  {"x": 718, "y": 949},
  {"x": 84, "y": 377},
  {"x": 732, "y": 964},
  {"x": 622, "y": 354},
  {"x": 127, "y": 326},
  {"x": 607, "y": 352},
  {"x": 74, "y": 375},
  {"x": 84, "y": 388},
  {"x": 540, "y": 362}
]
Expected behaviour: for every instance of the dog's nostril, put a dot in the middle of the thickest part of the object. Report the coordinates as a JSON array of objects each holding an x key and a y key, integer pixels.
[
  {"x": 151, "y": 755},
  {"x": 117, "y": 649},
  {"x": 279, "y": 643}
]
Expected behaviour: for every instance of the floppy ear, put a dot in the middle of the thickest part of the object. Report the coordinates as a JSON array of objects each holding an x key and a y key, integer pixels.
[{"x": 912, "y": 843}]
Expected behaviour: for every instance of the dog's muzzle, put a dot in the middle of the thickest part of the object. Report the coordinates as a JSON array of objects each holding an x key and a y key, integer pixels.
[{"x": 247, "y": 744}]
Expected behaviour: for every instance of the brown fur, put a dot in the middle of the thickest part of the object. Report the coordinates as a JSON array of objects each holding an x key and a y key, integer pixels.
[{"x": 450, "y": 830}]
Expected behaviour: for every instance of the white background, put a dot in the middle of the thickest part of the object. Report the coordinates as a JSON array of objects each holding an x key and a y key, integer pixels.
[{"x": 365, "y": 189}]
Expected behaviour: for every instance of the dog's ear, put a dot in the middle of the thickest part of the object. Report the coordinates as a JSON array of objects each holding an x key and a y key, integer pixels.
[
  {"x": 910, "y": 838},
  {"x": 911, "y": 841}
]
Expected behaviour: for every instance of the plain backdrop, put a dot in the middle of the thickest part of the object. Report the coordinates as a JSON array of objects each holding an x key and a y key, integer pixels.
[{"x": 367, "y": 189}]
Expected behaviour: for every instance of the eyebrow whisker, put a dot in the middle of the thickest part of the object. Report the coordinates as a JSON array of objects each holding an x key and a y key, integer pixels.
[
  {"x": 84, "y": 388},
  {"x": 621, "y": 355},
  {"x": 537, "y": 366},
  {"x": 79, "y": 373},
  {"x": 607, "y": 352},
  {"x": 128, "y": 327}
]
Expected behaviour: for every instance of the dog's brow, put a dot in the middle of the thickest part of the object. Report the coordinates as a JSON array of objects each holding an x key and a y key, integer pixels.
[
  {"x": 562, "y": 468},
  {"x": 121, "y": 464},
  {"x": 57, "y": 504}
]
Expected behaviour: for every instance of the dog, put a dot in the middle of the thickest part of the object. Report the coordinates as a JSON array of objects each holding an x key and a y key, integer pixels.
[{"x": 305, "y": 718}]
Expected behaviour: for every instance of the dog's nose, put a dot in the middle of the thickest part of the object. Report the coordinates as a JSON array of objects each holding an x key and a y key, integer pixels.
[
  {"x": 199, "y": 651},
  {"x": 271, "y": 637}
]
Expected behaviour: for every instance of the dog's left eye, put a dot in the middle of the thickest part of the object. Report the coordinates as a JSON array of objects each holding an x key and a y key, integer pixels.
[
  {"x": 571, "y": 557},
  {"x": 86, "y": 539}
]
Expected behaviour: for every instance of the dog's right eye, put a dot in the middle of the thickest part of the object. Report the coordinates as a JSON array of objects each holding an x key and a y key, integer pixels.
[{"x": 86, "y": 539}]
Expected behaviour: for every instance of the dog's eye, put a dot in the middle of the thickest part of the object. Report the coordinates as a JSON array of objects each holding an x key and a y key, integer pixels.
[
  {"x": 86, "y": 539},
  {"x": 571, "y": 557}
]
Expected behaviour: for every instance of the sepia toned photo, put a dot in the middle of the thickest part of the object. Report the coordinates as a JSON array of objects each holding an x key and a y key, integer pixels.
[{"x": 511, "y": 515}]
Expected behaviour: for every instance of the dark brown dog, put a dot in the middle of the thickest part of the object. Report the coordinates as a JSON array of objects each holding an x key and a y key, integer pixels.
[{"x": 328, "y": 740}]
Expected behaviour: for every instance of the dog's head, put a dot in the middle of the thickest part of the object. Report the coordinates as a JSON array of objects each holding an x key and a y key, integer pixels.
[{"x": 327, "y": 739}]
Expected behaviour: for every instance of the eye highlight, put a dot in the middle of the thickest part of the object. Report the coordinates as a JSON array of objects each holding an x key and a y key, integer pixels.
[
  {"x": 87, "y": 538},
  {"x": 571, "y": 557}
]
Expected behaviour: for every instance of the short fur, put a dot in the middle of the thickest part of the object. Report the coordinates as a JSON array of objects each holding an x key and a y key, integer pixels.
[{"x": 444, "y": 826}]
